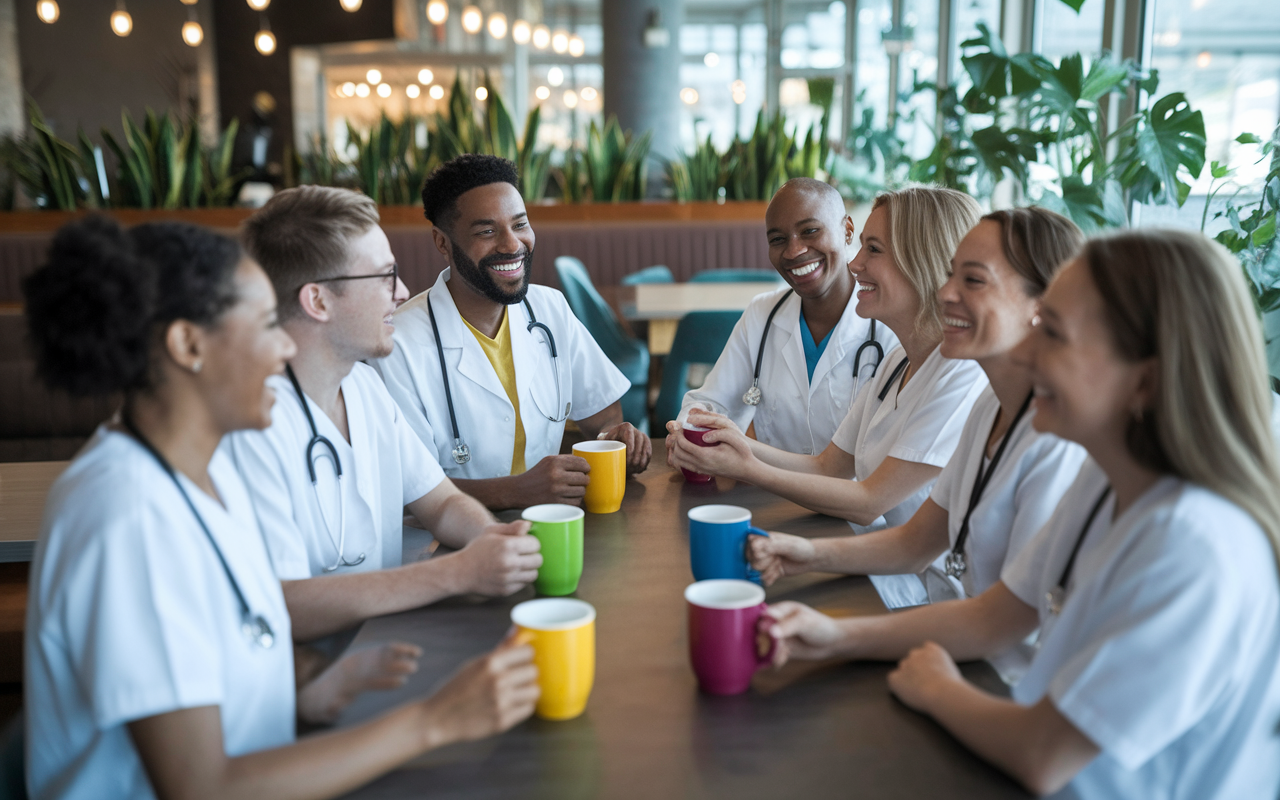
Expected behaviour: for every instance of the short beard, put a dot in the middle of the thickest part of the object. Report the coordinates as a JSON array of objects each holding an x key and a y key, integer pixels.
[{"x": 477, "y": 276}]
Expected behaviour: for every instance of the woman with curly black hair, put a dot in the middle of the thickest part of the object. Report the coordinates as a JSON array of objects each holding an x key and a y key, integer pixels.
[{"x": 158, "y": 657}]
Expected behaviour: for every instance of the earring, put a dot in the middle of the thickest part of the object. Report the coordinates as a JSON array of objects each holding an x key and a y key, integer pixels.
[{"x": 197, "y": 366}]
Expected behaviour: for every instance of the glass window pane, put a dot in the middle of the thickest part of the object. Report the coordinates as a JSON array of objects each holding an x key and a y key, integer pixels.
[{"x": 1061, "y": 31}]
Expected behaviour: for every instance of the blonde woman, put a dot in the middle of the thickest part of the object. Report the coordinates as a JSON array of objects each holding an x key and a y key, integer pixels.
[
  {"x": 905, "y": 422},
  {"x": 1155, "y": 584},
  {"x": 1005, "y": 478}
]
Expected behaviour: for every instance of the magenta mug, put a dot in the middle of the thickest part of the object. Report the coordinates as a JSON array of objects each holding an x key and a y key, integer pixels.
[
  {"x": 722, "y": 634},
  {"x": 694, "y": 434}
]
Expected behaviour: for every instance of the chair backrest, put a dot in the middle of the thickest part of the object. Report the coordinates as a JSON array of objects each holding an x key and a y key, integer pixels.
[
  {"x": 658, "y": 273},
  {"x": 627, "y": 353},
  {"x": 700, "y": 339},
  {"x": 736, "y": 276}
]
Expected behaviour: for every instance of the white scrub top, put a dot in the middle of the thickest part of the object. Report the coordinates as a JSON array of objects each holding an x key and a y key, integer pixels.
[
  {"x": 795, "y": 414},
  {"x": 1165, "y": 654},
  {"x": 130, "y": 615},
  {"x": 384, "y": 468},
  {"x": 923, "y": 425},
  {"x": 588, "y": 380},
  {"x": 1020, "y": 496}
]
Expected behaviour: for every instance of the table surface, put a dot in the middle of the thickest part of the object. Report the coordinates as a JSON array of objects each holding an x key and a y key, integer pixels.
[
  {"x": 809, "y": 730},
  {"x": 649, "y": 301},
  {"x": 23, "y": 487}
]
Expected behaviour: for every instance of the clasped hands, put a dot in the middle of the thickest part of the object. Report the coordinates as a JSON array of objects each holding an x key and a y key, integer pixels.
[{"x": 731, "y": 459}]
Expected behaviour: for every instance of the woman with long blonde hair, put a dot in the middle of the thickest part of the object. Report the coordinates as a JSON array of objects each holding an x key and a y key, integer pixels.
[
  {"x": 905, "y": 422},
  {"x": 1155, "y": 584}
]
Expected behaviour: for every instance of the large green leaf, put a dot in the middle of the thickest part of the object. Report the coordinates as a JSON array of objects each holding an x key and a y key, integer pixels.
[{"x": 1167, "y": 140}]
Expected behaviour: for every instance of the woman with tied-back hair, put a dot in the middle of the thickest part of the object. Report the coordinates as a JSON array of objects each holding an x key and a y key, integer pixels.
[
  {"x": 1005, "y": 478},
  {"x": 158, "y": 648},
  {"x": 1155, "y": 584},
  {"x": 905, "y": 421}
]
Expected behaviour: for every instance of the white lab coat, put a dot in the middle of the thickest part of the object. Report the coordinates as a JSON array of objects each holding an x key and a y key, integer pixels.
[
  {"x": 1166, "y": 649},
  {"x": 795, "y": 414},
  {"x": 384, "y": 468},
  {"x": 1020, "y": 497},
  {"x": 130, "y": 615},
  {"x": 923, "y": 425},
  {"x": 588, "y": 380}
]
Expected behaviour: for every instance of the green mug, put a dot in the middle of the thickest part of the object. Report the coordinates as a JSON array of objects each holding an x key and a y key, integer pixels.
[{"x": 559, "y": 529}]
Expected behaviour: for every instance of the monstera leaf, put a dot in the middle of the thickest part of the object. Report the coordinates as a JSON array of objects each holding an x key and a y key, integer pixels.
[
  {"x": 1164, "y": 141},
  {"x": 1091, "y": 206},
  {"x": 996, "y": 74}
]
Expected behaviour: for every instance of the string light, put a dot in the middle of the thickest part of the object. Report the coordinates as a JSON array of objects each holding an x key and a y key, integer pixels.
[
  {"x": 482, "y": 93},
  {"x": 48, "y": 11},
  {"x": 192, "y": 33},
  {"x": 588, "y": 93},
  {"x": 373, "y": 76},
  {"x": 265, "y": 40},
  {"x": 347, "y": 89},
  {"x": 121, "y": 22},
  {"x": 384, "y": 90},
  {"x": 521, "y": 32},
  {"x": 425, "y": 76},
  {"x": 497, "y": 25},
  {"x": 576, "y": 46},
  {"x": 412, "y": 91},
  {"x": 689, "y": 95},
  {"x": 555, "y": 76},
  {"x": 739, "y": 90},
  {"x": 541, "y": 36},
  {"x": 570, "y": 99},
  {"x": 362, "y": 90},
  {"x": 351, "y": 5},
  {"x": 436, "y": 92},
  {"x": 560, "y": 41},
  {"x": 437, "y": 12},
  {"x": 472, "y": 19},
  {"x": 712, "y": 60},
  {"x": 542, "y": 93}
]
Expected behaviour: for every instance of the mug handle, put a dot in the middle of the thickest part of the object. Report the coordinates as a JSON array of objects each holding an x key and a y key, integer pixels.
[
  {"x": 753, "y": 575},
  {"x": 766, "y": 659}
]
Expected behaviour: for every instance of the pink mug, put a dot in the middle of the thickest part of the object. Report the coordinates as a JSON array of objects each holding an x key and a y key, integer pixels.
[
  {"x": 694, "y": 434},
  {"x": 722, "y": 634}
]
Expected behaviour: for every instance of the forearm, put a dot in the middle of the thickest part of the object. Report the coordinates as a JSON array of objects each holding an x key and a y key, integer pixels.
[
  {"x": 459, "y": 520},
  {"x": 495, "y": 494},
  {"x": 781, "y": 459},
  {"x": 894, "y": 551},
  {"x": 331, "y": 603},
  {"x": 836, "y": 497}
]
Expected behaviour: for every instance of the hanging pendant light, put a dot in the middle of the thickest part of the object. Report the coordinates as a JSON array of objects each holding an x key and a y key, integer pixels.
[
  {"x": 121, "y": 22},
  {"x": 192, "y": 32},
  {"x": 258, "y": 5},
  {"x": 351, "y": 5},
  {"x": 437, "y": 12},
  {"x": 265, "y": 40},
  {"x": 472, "y": 19},
  {"x": 48, "y": 11}
]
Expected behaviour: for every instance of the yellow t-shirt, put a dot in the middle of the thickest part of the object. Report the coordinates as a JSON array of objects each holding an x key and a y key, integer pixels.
[{"x": 498, "y": 351}]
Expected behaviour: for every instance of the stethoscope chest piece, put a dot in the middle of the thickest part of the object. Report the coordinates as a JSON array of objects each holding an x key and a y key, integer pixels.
[
  {"x": 752, "y": 395},
  {"x": 955, "y": 564},
  {"x": 461, "y": 452},
  {"x": 1053, "y": 599},
  {"x": 258, "y": 631}
]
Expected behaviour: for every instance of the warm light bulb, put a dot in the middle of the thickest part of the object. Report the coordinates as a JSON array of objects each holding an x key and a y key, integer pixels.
[
  {"x": 362, "y": 90},
  {"x": 373, "y": 76},
  {"x": 521, "y": 32},
  {"x": 541, "y": 36},
  {"x": 1204, "y": 59},
  {"x": 497, "y": 25},
  {"x": 425, "y": 76},
  {"x": 542, "y": 93},
  {"x": 437, "y": 12},
  {"x": 588, "y": 94},
  {"x": 689, "y": 95},
  {"x": 258, "y": 5},
  {"x": 436, "y": 92},
  {"x": 121, "y": 22},
  {"x": 265, "y": 41},
  {"x": 412, "y": 91},
  {"x": 189, "y": 2},
  {"x": 348, "y": 89},
  {"x": 482, "y": 93},
  {"x": 192, "y": 33},
  {"x": 555, "y": 76},
  {"x": 48, "y": 11},
  {"x": 711, "y": 60},
  {"x": 472, "y": 19},
  {"x": 351, "y": 5},
  {"x": 560, "y": 41},
  {"x": 570, "y": 99},
  {"x": 576, "y": 46},
  {"x": 384, "y": 90}
]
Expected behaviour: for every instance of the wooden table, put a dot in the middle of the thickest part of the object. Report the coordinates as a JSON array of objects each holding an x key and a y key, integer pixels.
[
  {"x": 23, "y": 487},
  {"x": 663, "y": 305},
  {"x": 808, "y": 731}
]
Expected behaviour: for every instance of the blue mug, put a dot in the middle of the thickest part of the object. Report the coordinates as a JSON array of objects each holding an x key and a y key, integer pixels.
[{"x": 718, "y": 543}]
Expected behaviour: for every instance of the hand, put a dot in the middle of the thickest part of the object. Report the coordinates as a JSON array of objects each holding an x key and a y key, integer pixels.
[
  {"x": 554, "y": 479},
  {"x": 639, "y": 448},
  {"x": 501, "y": 561},
  {"x": 378, "y": 667},
  {"x": 487, "y": 695},
  {"x": 927, "y": 672},
  {"x": 733, "y": 459},
  {"x": 800, "y": 632},
  {"x": 780, "y": 554}
]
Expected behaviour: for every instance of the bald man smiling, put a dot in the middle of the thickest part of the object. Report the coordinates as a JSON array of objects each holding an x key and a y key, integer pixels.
[{"x": 817, "y": 350}]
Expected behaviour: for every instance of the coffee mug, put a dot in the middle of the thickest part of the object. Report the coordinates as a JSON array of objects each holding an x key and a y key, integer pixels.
[
  {"x": 694, "y": 434},
  {"x": 722, "y": 634},
  {"x": 718, "y": 542},
  {"x": 559, "y": 530},
  {"x": 562, "y": 631},
  {"x": 608, "y": 477}
]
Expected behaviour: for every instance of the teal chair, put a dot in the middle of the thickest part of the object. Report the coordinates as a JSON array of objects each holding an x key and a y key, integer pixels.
[
  {"x": 628, "y": 354},
  {"x": 736, "y": 276},
  {"x": 659, "y": 273},
  {"x": 700, "y": 338}
]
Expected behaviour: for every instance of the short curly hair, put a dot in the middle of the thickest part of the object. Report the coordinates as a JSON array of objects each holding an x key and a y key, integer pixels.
[
  {"x": 455, "y": 177},
  {"x": 94, "y": 309}
]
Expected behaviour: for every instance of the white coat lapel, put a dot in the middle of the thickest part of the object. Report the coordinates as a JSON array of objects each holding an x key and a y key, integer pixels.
[
  {"x": 834, "y": 355},
  {"x": 462, "y": 352},
  {"x": 363, "y": 437},
  {"x": 786, "y": 327}
]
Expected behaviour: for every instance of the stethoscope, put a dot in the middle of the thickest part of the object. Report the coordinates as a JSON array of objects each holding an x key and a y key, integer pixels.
[
  {"x": 317, "y": 439},
  {"x": 955, "y": 562},
  {"x": 461, "y": 452},
  {"x": 254, "y": 626},
  {"x": 753, "y": 395},
  {"x": 1056, "y": 596}
]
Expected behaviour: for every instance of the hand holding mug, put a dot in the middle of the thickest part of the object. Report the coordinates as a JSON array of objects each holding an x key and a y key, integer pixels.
[
  {"x": 800, "y": 632},
  {"x": 780, "y": 554}
]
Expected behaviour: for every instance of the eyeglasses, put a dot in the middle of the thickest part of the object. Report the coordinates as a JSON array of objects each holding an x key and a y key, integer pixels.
[{"x": 394, "y": 275}]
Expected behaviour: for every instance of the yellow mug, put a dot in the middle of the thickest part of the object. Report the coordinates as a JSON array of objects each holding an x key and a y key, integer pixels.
[
  {"x": 562, "y": 631},
  {"x": 608, "y": 478}
]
